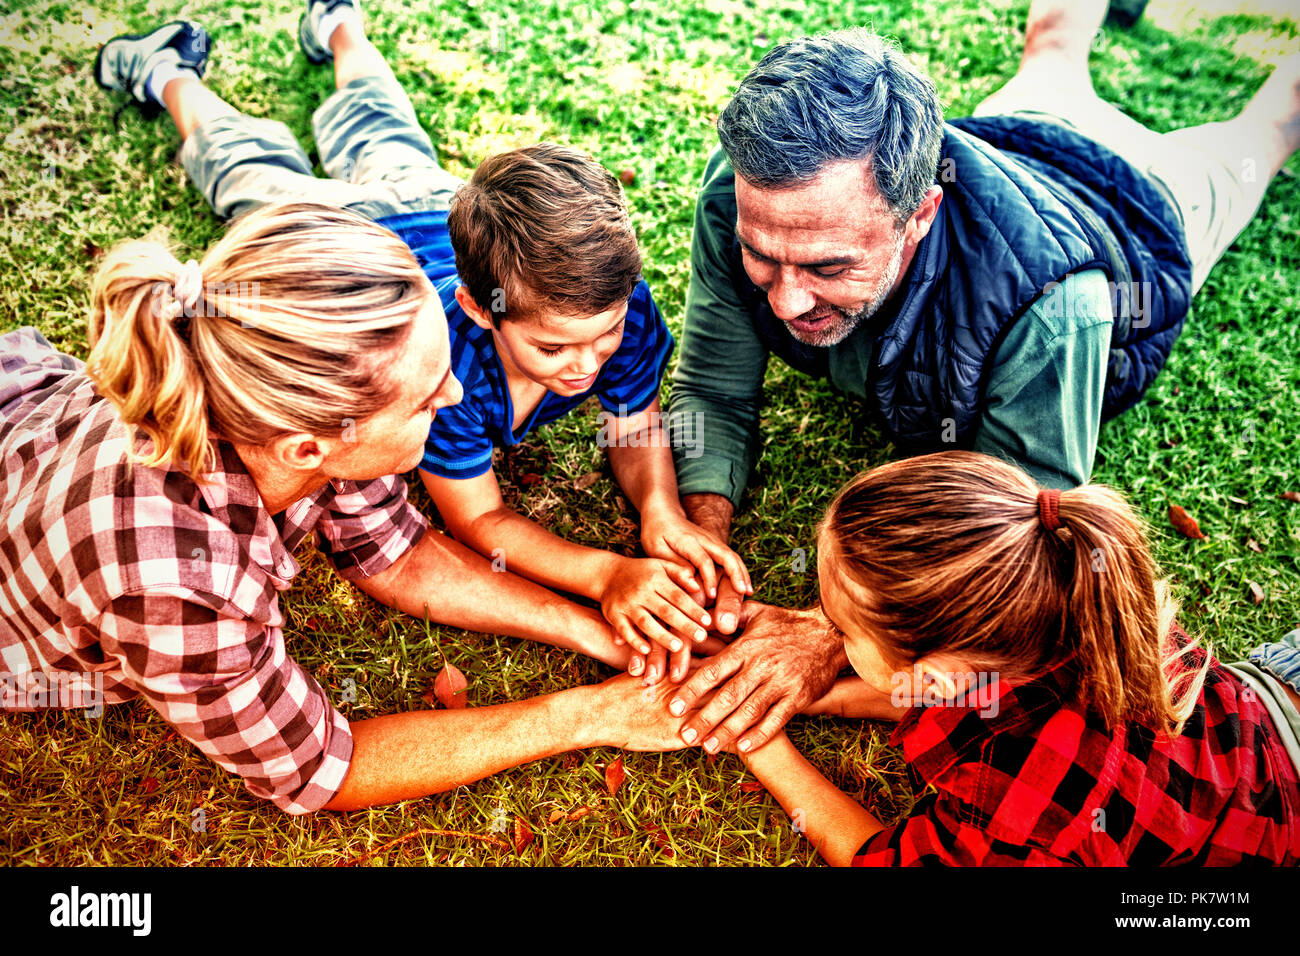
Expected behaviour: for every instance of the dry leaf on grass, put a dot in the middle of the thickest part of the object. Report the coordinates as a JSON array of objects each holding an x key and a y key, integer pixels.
[{"x": 1184, "y": 523}]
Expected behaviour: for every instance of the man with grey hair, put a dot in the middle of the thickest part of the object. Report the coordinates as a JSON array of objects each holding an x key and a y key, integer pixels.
[{"x": 1003, "y": 282}]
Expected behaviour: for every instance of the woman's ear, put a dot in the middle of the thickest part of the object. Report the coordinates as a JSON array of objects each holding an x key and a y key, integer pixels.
[{"x": 479, "y": 317}]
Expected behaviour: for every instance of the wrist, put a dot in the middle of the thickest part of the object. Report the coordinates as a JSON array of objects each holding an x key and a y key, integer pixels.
[
  {"x": 711, "y": 512},
  {"x": 607, "y": 568}
]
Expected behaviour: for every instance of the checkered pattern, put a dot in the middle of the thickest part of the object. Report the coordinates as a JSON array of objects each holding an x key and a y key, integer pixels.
[
  {"x": 168, "y": 587},
  {"x": 1042, "y": 784}
]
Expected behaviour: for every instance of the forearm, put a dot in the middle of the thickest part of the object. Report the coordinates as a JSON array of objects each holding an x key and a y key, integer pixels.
[
  {"x": 404, "y": 756},
  {"x": 645, "y": 473},
  {"x": 446, "y": 582},
  {"x": 526, "y": 548},
  {"x": 854, "y": 697},
  {"x": 835, "y": 823}
]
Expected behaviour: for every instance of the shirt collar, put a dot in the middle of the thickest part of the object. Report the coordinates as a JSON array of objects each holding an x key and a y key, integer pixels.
[{"x": 935, "y": 736}]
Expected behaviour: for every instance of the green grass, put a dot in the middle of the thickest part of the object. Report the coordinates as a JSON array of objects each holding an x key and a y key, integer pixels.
[{"x": 638, "y": 85}]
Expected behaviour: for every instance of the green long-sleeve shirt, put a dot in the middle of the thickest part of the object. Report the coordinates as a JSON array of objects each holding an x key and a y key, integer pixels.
[{"x": 1043, "y": 394}]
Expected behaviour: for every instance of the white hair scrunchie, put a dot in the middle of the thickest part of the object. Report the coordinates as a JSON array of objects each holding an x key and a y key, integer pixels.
[{"x": 187, "y": 289}]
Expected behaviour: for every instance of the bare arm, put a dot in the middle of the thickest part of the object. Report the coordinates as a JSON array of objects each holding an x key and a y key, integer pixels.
[
  {"x": 641, "y": 598},
  {"x": 447, "y": 582},
  {"x": 403, "y": 756},
  {"x": 836, "y": 824}
]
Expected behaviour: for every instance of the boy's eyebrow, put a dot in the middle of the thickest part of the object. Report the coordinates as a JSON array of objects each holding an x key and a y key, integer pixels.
[
  {"x": 821, "y": 264},
  {"x": 556, "y": 345}
]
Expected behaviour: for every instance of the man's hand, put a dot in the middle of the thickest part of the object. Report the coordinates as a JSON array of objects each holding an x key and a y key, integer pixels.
[{"x": 782, "y": 662}]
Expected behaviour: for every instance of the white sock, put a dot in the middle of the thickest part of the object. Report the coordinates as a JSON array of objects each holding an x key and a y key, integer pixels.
[
  {"x": 332, "y": 21},
  {"x": 163, "y": 74}
]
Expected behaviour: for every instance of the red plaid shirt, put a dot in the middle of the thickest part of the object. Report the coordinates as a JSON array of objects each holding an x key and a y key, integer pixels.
[
  {"x": 157, "y": 586},
  {"x": 1040, "y": 783}
]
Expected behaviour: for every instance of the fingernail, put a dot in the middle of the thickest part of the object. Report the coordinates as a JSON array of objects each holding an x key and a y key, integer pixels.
[
  {"x": 706, "y": 622},
  {"x": 743, "y": 746},
  {"x": 676, "y": 645},
  {"x": 634, "y": 668},
  {"x": 728, "y": 621},
  {"x": 677, "y": 675},
  {"x": 676, "y": 708},
  {"x": 713, "y": 592},
  {"x": 711, "y": 744},
  {"x": 701, "y": 635},
  {"x": 688, "y": 735},
  {"x": 653, "y": 675}
]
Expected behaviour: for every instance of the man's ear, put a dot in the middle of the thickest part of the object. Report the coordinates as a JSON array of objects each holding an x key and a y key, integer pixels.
[
  {"x": 299, "y": 451},
  {"x": 479, "y": 317},
  {"x": 918, "y": 226}
]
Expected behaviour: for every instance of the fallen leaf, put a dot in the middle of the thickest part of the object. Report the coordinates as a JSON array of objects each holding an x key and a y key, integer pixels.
[
  {"x": 529, "y": 479},
  {"x": 614, "y": 776},
  {"x": 752, "y": 786},
  {"x": 587, "y": 480},
  {"x": 579, "y": 813},
  {"x": 91, "y": 250},
  {"x": 1184, "y": 523},
  {"x": 523, "y": 834},
  {"x": 627, "y": 176},
  {"x": 449, "y": 687},
  {"x": 556, "y": 816},
  {"x": 661, "y": 840},
  {"x": 1290, "y": 495},
  {"x": 1256, "y": 593},
  {"x": 1253, "y": 545}
]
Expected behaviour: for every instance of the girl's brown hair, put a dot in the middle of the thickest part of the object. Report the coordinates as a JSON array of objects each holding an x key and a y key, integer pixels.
[
  {"x": 300, "y": 311},
  {"x": 946, "y": 553}
]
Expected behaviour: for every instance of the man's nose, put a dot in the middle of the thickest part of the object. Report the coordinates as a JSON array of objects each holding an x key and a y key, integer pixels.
[{"x": 788, "y": 297}]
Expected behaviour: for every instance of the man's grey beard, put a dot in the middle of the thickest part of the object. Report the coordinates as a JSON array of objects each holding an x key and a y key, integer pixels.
[{"x": 843, "y": 327}]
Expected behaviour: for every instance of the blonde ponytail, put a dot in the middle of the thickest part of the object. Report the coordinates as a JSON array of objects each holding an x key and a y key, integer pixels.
[
  {"x": 295, "y": 327},
  {"x": 139, "y": 360}
]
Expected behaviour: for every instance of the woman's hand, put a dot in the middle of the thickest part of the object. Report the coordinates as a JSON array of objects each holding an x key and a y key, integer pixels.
[{"x": 633, "y": 716}]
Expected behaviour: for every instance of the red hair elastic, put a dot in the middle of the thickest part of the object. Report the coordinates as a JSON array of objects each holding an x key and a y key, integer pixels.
[{"x": 1048, "y": 508}]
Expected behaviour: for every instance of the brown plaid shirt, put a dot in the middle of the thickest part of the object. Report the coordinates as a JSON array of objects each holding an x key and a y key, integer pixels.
[{"x": 162, "y": 587}]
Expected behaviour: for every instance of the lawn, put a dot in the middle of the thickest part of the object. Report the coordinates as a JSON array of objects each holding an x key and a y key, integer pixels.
[{"x": 638, "y": 85}]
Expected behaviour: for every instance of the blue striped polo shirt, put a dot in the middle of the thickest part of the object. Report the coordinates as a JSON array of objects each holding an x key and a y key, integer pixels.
[{"x": 463, "y": 436}]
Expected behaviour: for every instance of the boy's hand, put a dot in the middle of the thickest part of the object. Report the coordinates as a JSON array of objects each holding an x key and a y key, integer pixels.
[
  {"x": 648, "y": 598},
  {"x": 674, "y": 537}
]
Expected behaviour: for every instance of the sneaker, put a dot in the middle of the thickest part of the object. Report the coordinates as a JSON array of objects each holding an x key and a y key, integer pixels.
[
  {"x": 308, "y": 24},
  {"x": 125, "y": 62}
]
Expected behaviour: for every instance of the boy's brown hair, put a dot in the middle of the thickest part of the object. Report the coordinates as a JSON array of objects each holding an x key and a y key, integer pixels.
[
  {"x": 543, "y": 227},
  {"x": 946, "y": 553}
]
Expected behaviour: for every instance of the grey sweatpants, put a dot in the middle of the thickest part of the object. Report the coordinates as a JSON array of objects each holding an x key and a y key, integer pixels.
[{"x": 379, "y": 159}]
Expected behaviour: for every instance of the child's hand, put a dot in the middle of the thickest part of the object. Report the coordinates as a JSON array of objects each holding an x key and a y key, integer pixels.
[
  {"x": 647, "y": 598},
  {"x": 674, "y": 537}
]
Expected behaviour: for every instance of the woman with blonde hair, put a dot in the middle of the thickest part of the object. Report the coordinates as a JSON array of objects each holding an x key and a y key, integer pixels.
[
  {"x": 1026, "y": 646},
  {"x": 152, "y": 500}
]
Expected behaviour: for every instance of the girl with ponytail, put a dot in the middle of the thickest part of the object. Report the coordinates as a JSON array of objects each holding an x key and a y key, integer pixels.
[{"x": 1024, "y": 642}]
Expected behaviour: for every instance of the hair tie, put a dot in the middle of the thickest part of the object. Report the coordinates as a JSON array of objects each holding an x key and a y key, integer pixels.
[
  {"x": 187, "y": 289},
  {"x": 1049, "y": 508}
]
